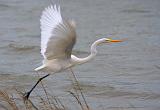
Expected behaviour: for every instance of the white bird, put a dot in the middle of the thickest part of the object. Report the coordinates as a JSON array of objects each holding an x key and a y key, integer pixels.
[{"x": 58, "y": 37}]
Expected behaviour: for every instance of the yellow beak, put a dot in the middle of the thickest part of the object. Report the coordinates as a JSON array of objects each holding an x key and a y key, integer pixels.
[{"x": 110, "y": 40}]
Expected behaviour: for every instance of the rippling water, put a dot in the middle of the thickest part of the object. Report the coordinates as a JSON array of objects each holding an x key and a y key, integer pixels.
[{"x": 123, "y": 76}]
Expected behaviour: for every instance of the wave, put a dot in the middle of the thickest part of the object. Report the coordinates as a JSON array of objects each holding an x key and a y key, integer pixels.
[{"x": 21, "y": 47}]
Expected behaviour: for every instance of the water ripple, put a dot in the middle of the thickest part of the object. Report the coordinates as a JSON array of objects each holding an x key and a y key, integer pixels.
[{"x": 21, "y": 47}]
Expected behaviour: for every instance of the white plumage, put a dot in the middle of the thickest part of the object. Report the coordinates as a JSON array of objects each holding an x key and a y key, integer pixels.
[
  {"x": 58, "y": 37},
  {"x": 50, "y": 19}
]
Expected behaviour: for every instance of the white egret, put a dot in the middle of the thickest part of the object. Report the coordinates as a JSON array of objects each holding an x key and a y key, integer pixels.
[{"x": 58, "y": 37}]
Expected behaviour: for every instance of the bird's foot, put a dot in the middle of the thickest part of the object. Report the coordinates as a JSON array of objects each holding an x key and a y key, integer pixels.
[{"x": 26, "y": 95}]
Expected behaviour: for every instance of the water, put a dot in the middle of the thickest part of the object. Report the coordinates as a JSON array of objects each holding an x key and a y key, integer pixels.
[{"x": 122, "y": 76}]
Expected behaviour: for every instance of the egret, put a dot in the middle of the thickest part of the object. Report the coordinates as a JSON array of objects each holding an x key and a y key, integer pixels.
[{"x": 58, "y": 37}]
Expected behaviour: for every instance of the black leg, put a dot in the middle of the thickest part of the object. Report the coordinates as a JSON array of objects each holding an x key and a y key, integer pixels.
[{"x": 27, "y": 94}]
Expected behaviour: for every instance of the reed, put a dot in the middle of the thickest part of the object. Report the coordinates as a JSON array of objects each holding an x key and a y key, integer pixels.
[
  {"x": 47, "y": 102},
  {"x": 17, "y": 101},
  {"x": 6, "y": 98}
]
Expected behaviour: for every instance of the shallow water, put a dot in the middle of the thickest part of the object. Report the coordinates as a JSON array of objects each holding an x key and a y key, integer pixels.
[{"x": 122, "y": 76}]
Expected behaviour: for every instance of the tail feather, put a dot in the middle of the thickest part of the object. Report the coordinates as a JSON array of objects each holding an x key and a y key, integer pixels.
[{"x": 40, "y": 68}]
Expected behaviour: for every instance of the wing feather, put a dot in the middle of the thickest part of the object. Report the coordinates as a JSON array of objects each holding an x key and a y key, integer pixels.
[{"x": 57, "y": 36}]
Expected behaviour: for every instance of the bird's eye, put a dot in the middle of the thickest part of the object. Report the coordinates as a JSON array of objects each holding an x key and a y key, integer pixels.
[{"x": 108, "y": 40}]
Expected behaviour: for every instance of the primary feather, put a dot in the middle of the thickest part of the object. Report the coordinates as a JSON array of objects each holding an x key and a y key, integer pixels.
[{"x": 57, "y": 36}]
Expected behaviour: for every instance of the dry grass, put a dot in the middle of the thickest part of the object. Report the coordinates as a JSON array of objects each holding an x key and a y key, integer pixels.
[
  {"x": 84, "y": 106},
  {"x": 16, "y": 100},
  {"x": 6, "y": 98},
  {"x": 50, "y": 103}
]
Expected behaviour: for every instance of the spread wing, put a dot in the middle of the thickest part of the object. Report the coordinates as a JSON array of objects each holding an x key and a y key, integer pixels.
[{"x": 57, "y": 36}]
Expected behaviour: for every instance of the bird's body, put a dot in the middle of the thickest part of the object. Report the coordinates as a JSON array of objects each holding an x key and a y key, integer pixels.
[
  {"x": 58, "y": 36},
  {"x": 58, "y": 64},
  {"x": 54, "y": 65}
]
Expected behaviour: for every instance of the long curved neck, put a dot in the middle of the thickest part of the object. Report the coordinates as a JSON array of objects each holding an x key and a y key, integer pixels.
[{"x": 93, "y": 53}]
